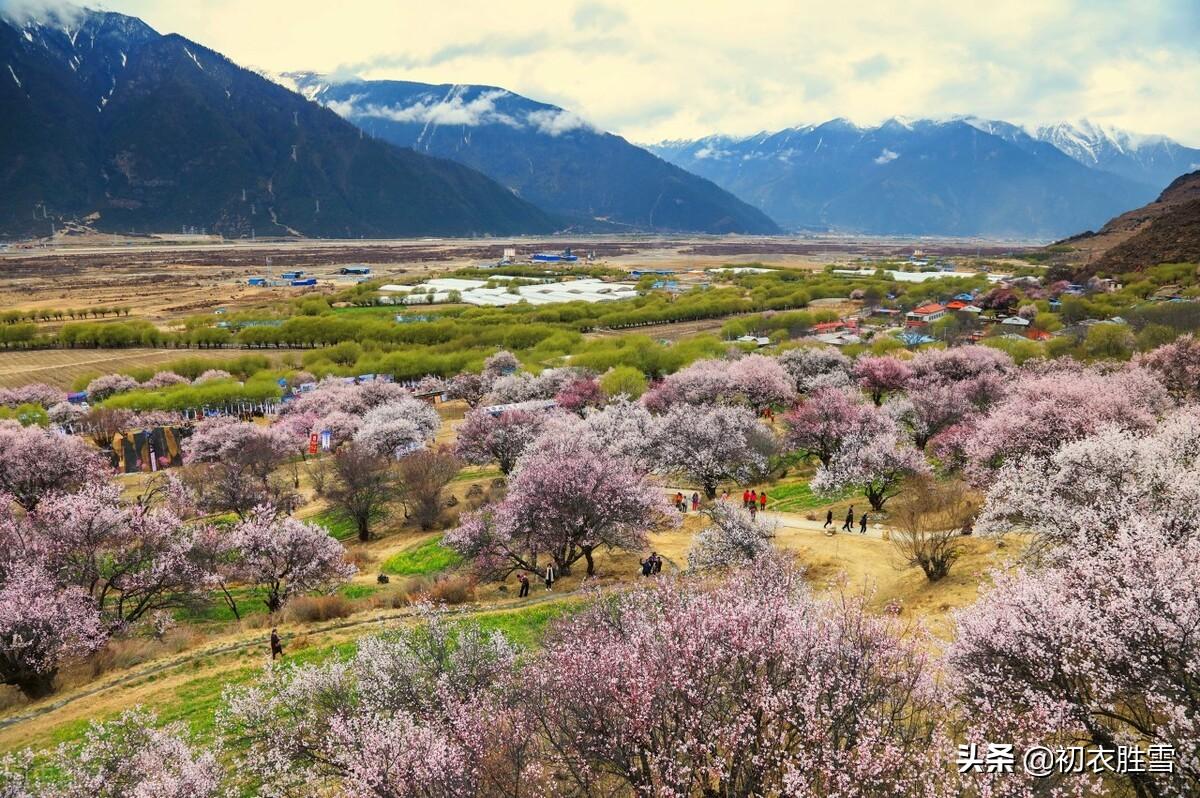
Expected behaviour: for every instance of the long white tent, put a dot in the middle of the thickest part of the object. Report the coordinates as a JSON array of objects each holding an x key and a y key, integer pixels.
[{"x": 476, "y": 292}]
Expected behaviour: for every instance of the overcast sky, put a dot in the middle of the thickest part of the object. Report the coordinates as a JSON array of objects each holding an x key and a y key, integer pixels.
[{"x": 656, "y": 69}]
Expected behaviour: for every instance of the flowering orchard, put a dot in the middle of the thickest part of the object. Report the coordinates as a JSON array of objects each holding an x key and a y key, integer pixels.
[{"x": 725, "y": 676}]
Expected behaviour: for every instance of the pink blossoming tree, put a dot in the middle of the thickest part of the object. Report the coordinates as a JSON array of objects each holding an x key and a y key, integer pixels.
[
  {"x": 880, "y": 376},
  {"x": 713, "y": 443},
  {"x": 35, "y": 462},
  {"x": 753, "y": 688},
  {"x": 418, "y": 713},
  {"x": 397, "y": 427},
  {"x": 1177, "y": 365},
  {"x": 1097, "y": 650},
  {"x": 733, "y": 539},
  {"x": 1048, "y": 408},
  {"x": 129, "y": 757},
  {"x": 1090, "y": 487},
  {"x": 486, "y": 438},
  {"x": 813, "y": 367},
  {"x": 101, "y": 388},
  {"x": 131, "y": 560},
  {"x": 878, "y": 464},
  {"x": 821, "y": 424},
  {"x": 42, "y": 626},
  {"x": 579, "y": 395},
  {"x": 284, "y": 558},
  {"x": 756, "y": 381},
  {"x": 563, "y": 505}
]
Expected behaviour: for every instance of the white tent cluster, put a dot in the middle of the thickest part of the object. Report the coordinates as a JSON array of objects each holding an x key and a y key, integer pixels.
[{"x": 476, "y": 292}]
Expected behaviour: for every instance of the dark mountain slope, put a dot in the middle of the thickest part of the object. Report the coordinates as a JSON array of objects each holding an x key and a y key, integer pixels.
[
  {"x": 149, "y": 133},
  {"x": 545, "y": 154},
  {"x": 1164, "y": 231}
]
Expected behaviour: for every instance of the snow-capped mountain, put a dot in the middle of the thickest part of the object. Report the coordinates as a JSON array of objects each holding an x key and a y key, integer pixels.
[
  {"x": 548, "y": 155},
  {"x": 962, "y": 176},
  {"x": 104, "y": 119},
  {"x": 1151, "y": 159}
]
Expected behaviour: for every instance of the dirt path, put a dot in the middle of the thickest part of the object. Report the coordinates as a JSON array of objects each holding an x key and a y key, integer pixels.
[{"x": 90, "y": 700}]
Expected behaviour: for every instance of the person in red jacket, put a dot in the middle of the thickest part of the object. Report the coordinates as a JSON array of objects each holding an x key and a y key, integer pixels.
[
  {"x": 745, "y": 499},
  {"x": 762, "y": 501}
]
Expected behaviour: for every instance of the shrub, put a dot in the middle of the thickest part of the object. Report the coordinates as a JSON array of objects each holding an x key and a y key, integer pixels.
[
  {"x": 457, "y": 589},
  {"x": 308, "y": 609}
]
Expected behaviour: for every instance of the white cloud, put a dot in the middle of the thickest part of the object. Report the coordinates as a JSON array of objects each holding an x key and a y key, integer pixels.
[
  {"x": 450, "y": 110},
  {"x": 716, "y": 153},
  {"x": 556, "y": 122},
  {"x": 21, "y": 11},
  {"x": 886, "y": 156},
  {"x": 454, "y": 110},
  {"x": 679, "y": 69}
]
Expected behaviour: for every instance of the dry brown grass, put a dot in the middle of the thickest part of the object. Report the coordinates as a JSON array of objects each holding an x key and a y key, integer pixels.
[
  {"x": 308, "y": 609},
  {"x": 451, "y": 589}
]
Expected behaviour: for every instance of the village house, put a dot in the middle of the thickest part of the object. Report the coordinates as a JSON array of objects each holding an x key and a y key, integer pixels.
[{"x": 920, "y": 316}]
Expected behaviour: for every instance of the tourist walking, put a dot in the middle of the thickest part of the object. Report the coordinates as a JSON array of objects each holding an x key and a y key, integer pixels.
[
  {"x": 762, "y": 501},
  {"x": 524, "y": 580},
  {"x": 745, "y": 499},
  {"x": 657, "y": 562},
  {"x": 828, "y": 520},
  {"x": 849, "y": 525},
  {"x": 276, "y": 645},
  {"x": 695, "y": 501},
  {"x": 550, "y": 576},
  {"x": 862, "y": 524}
]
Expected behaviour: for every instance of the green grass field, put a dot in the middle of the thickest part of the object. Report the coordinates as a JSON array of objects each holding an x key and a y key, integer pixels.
[
  {"x": 336, "y": 524},
  {"x": 794, "y": 497},
  {"x": 430, "y": 557}
]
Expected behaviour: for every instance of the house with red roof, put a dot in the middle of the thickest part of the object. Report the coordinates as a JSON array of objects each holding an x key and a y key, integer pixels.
[{"x": 924, "y": 314}]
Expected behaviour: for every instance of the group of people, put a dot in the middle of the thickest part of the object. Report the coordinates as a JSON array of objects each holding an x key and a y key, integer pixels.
[
  {"x": 848, "y": 526},
  {"x": 754, "y": 501},
  {"x": 652, "y": 564},
  {"x": 548, "y": 577},
  {"x": 681, "y": 502}
]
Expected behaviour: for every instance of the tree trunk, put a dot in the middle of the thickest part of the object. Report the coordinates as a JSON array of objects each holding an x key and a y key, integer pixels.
[
  {"x": 591, "y": 565},
  {"x": 876, "y": 498},
  {"x": 35, "y": 685}
]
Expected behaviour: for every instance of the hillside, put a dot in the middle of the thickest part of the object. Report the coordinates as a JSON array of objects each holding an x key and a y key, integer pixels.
[
  {"x": 110, "y": 122},
  {"x": 1164, "y": 231},
  {"x": 543, "y": 153},
  {"x": 911, "y": 177}
]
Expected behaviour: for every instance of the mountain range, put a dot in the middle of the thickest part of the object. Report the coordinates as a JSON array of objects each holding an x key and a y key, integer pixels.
[
  {"x": 110, "y": 124},
  {"x": 963, "y": 176},
  {"x": 108, "y": 121},
  {"x": 543, "y": 153}
]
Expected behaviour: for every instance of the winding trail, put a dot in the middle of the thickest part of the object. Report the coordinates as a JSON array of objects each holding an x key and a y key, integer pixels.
[{"x": 221, "y": 648}]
